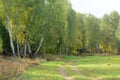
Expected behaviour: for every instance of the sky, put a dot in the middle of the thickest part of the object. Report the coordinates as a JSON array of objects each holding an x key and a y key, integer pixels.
[{"x": 96, "y": 7}]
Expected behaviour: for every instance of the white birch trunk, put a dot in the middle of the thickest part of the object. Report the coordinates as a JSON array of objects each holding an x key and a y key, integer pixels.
[
  {"x": 40, "y": 43},
  {"x": 29, "y": 48},
  {"x": 42, "y": 38},
  {"x": 10, "y": 34},
  {"x": 97, "y": 48}
]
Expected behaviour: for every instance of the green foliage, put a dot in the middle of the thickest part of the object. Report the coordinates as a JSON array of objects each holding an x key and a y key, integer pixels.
[
  {"x": 1, "y": 44},
  {"x": 109, "y": 26},
  {"x": 4, "y": 39},
  {"x": 63, "y": 30}
]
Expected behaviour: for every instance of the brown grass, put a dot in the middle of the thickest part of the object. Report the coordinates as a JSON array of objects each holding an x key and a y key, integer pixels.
[{"x": 11, "y": 68}]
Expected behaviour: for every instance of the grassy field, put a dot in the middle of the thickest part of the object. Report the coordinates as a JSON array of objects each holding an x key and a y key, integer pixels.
[{"x": 76, "y": 68}]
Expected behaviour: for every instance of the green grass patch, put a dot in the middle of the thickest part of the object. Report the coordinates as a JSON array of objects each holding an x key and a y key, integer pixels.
[
  {"x": 78, "y": 68},
  {"x": 45, "y": 71},
  {"x": 71, "y": 57},
  {"x": 95, "y": 67}
]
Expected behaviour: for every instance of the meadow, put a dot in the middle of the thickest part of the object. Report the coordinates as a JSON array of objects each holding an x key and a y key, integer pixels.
[{"x": 75, "y": 68}]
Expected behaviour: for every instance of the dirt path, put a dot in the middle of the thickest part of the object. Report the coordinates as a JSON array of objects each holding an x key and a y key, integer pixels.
[
  {"x": 76, "y": 70},
  {"x": 63, "y": 73}
]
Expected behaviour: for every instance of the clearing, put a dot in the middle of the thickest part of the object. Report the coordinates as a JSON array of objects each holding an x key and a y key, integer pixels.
[{"x": 76, "y": 68}]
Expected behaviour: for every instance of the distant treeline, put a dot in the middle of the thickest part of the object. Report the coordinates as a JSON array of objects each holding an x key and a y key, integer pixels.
[{"x": 38, "y": 27}]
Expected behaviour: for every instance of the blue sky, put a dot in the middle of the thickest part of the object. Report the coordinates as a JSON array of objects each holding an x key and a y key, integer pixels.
[{"x": 96, "y": 7}]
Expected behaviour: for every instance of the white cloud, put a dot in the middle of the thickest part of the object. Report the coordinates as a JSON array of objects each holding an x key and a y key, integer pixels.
[{"x": 96, "y": 7}]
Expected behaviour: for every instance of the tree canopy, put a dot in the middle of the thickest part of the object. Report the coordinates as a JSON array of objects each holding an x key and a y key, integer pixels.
[{"x": 36, "y": 27}]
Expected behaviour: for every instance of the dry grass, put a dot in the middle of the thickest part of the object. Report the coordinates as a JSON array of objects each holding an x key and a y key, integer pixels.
[{"x": 11, "y": 68}]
